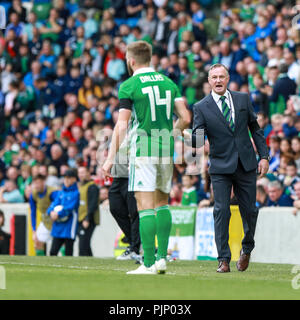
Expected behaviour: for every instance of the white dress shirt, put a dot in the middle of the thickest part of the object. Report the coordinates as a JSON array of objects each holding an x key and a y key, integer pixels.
[{"x": 228, "y": 100}]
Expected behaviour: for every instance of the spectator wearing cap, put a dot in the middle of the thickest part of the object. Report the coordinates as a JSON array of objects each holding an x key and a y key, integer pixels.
[
  {"x": 196, "y": 79},
  {"x": 63, "y": 211},
  {"x": 276, "y": 196},
  {"x": 228, "y": 34}
]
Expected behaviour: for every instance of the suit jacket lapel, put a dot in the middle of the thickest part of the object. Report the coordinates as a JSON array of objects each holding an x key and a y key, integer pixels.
[
  {"x": 217, "y": 111},
  {"x": 236, "y": 106}
]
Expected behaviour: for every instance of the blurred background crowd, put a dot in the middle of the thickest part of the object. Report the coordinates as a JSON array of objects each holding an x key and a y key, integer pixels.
[{"x": 61, "y": 63}]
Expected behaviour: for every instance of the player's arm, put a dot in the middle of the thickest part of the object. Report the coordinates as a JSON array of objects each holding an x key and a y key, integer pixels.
[
  {"x": 118, "y": 136},
  {"x": 183, "y": 115}
]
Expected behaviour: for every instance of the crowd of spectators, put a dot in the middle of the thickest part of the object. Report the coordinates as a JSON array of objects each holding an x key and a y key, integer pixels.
[{"x": 61, "y": 64}]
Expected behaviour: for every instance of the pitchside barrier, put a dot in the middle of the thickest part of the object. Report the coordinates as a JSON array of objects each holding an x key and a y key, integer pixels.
[{"x": 277, "y": 237}]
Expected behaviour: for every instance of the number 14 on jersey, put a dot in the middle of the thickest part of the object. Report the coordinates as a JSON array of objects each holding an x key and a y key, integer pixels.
[{"x": 155, "y": 100}]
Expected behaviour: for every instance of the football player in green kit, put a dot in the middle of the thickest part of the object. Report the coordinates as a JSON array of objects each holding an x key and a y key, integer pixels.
[{"x": 150, "y": 98}]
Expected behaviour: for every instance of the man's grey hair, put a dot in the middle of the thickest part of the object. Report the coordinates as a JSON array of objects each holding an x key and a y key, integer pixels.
[
  {"x": 218, "y": 65},
  {"x": 275, "y": 184}
]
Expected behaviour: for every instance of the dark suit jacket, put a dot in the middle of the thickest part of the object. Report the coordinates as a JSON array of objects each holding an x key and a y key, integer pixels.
[{"x": 226, "y": 146}]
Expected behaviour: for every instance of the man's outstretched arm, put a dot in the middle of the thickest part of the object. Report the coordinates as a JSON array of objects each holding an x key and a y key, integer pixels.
[{"x": 118, "y": 136}]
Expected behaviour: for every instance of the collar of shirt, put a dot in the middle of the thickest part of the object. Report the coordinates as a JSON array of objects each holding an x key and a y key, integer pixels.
[
  {"x": 228, "y": 100},
  {"x": 143, "y": 70},
  {"x": 217, "y": 97}
]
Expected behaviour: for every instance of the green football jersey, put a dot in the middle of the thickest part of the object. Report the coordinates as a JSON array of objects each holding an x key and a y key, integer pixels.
[
  {"x": 189, "y": 197},
  {"x": 151, "y": 96}
]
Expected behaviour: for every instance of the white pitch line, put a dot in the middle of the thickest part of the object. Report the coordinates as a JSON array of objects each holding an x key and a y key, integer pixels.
[{"x": 76, "y": 267}]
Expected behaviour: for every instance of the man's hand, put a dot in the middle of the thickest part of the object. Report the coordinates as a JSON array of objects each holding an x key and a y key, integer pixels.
[
  {"x": 187, "y": 135},
  {"x": 34, "y": 237},
  {"x": 54, "y": 215},
  {"x": 106, "y": 169},
  {"x": 85, "y": 224},
  {"x": 263, "y": 167}
]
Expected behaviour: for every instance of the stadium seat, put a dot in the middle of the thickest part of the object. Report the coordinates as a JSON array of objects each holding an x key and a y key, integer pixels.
[
  {"x": 42, "y": 10},
  {"x": 73, "y": 7},
  {"x": 41, "y": 1}
]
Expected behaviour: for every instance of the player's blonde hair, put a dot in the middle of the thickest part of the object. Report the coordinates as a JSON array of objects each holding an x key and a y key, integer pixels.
[{"x": 141, "y": 51}]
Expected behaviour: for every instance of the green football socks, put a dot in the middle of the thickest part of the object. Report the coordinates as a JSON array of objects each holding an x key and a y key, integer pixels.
[
  {"x": 40, "y": 252},
  {"x": 163, "y": 228},
  {"x": 147, "y": 234}
]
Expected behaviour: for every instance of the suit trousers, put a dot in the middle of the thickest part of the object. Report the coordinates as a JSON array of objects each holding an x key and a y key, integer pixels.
[
  {"x": 123, "y": 207},
  {"x": 244, "y": 187}
]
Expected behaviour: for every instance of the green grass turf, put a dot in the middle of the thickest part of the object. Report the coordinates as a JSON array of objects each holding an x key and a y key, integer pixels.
[{"x": 106, "y": 279}]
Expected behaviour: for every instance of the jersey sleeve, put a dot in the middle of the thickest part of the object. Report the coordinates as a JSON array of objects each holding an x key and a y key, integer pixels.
[
  {"x": 125, "y": 96},
  {"x": 176, "y": 91},
  {"x": 178, "y": 95}
]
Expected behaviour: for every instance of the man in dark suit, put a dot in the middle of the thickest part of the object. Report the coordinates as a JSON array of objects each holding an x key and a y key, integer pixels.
[{"x": 225, "y": 117}]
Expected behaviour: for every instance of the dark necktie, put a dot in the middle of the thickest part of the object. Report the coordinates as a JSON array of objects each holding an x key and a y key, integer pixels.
[{"x": 226, "y": 113}]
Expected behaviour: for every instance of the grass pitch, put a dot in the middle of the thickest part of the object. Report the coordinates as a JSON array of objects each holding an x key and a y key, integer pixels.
[{"x": 106, "y": 279}]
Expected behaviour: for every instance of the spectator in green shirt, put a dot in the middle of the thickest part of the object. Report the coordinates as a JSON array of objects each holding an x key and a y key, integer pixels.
[{"x": 189, "y": 196}]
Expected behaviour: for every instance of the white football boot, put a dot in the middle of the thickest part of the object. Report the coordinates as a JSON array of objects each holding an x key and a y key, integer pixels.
[
  {"x": 143, "y": 270},
  {"x": 161, "y": 266}
]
